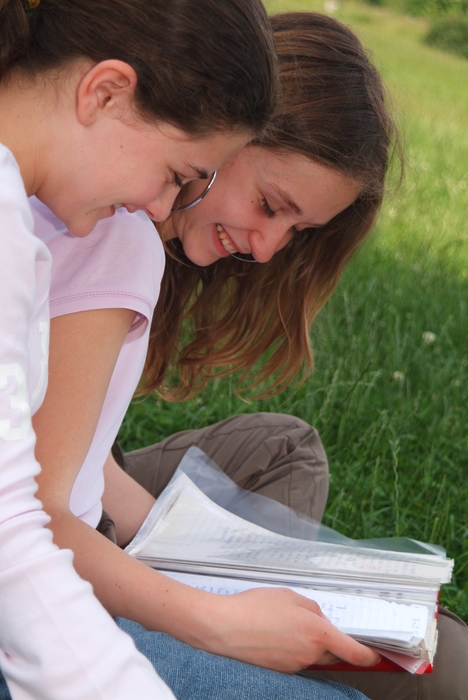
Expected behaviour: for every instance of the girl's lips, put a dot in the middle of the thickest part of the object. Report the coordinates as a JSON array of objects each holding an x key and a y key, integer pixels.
[
  {"x": 220, "y": 249},
  {"x": 226, "y": 240},
  {"x": 107, "y": 212},
  {"x": 132, "y": 208}
]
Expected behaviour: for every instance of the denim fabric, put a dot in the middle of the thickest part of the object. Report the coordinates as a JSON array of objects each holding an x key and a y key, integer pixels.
[
  {"x": 4, "y": 692},
  {"x": 197, "y": 675}
]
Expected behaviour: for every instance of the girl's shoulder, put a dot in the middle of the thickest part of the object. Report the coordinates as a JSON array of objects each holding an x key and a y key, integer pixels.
[
  {"x": 122, "y": 257},
  {"x": 119, "y": 264},
  {"x": 123, "y": 232}
]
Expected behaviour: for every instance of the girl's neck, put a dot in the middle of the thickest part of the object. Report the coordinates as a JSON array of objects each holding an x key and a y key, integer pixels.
[{"x": 166, "y": 229}]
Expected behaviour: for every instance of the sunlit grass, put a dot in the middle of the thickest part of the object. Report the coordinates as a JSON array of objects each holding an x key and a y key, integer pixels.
[{"x": 397, "y": 443}]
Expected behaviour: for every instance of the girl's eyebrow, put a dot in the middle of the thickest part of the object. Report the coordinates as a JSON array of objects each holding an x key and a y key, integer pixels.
[
  {"x": 286, "y": 199},
  {"x": 291, "y": 203}
]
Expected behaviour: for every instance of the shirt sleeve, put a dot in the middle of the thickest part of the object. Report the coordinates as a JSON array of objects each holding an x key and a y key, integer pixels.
[
  {"x": 56, "y": 640},
  {"x": 119, "y": 265}
]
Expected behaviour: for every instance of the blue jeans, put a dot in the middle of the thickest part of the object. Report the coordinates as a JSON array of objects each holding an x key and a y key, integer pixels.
[
  {"x": 4, "y": 692},
  {"x": 197, "y": 675}
]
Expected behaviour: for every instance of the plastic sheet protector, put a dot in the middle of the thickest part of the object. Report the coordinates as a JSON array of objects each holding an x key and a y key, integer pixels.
[{"x": 209, "y": 533}]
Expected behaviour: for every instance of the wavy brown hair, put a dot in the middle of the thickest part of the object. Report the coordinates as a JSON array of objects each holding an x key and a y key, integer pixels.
[{"x": 215, "y": 320}]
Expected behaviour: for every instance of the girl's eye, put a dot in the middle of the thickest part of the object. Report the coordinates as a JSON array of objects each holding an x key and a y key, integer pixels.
[
  {"x": 267, "y": 209},
  {"x": 178, "y": 181}
]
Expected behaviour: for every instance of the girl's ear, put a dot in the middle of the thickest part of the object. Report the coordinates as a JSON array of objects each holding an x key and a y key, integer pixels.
[{"x": 106, "y": 89}]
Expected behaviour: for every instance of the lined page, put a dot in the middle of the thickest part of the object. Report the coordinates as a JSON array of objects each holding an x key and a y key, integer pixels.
[{"x": 355, "y": 615}]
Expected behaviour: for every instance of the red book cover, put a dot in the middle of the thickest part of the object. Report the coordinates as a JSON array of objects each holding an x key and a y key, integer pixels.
[{"x": 383, "y": 665}]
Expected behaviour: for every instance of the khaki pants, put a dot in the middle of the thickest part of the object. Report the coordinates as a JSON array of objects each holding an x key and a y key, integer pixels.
[{"x": 282, "y": 457}]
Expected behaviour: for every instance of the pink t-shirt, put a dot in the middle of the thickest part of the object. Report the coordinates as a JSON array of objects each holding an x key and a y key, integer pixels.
[{"x": 119, "y": 265}]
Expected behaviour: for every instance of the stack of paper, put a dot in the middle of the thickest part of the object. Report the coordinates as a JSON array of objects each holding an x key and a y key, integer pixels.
[{"x": 384, "y": 598}]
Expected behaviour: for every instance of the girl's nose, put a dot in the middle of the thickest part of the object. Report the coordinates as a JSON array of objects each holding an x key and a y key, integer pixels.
[
  {"x": 264, "y": 244},
  {"x": 160, "y": 208}
]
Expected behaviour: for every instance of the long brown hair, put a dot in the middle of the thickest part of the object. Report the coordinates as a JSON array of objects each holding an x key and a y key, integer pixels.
[
  {"x": 202, "y": 65},
  {"x": 215, "y": 320}
]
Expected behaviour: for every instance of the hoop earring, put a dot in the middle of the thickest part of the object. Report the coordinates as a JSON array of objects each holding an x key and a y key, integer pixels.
[
  {"x": 198, "y": 199},
  {"x": 237, "y": 257}
]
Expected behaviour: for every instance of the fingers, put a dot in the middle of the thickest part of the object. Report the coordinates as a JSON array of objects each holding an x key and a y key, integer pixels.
[
  {"x": 336, "y": 644},
  {"x": 326, "y": 658},
  {"x": 310, "y": 605},
  {"x": 280, "y": 629},
  {"x": 346, "y": 648}
]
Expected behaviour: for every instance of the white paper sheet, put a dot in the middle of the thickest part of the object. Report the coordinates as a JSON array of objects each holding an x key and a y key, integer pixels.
[{"x": 354, "y": 615}]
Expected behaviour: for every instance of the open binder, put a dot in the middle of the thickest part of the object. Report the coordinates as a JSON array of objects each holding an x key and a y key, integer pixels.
[{"x": 207, "y": 532}]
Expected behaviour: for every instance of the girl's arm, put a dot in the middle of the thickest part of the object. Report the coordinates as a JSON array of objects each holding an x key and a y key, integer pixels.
[
  {"x": 121, "y": 489},
  {"x": 275, "y": 628}
]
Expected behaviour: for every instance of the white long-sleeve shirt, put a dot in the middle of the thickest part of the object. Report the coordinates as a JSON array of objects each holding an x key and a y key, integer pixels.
[{"x": 56, "y": 641}]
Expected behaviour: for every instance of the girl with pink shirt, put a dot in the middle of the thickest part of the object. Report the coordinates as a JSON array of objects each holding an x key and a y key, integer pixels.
[{"x": 101, "y": 103}]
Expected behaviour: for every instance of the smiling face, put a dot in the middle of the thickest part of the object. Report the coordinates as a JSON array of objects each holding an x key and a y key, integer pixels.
[
  {"x": 93, "y": 149},
  {"x": 258, "y": 201},
  {"x": 139, "y": 167}
]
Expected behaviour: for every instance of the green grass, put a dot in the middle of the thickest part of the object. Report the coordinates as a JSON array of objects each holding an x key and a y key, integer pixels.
[{"x": 398, "y": 448}]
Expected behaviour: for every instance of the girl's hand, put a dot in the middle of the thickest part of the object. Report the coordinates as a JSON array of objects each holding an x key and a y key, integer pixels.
[{"x": 278, "y": 629}]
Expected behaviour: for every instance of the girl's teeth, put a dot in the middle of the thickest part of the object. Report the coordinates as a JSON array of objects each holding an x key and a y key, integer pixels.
[{"x": 224, "y": 240}]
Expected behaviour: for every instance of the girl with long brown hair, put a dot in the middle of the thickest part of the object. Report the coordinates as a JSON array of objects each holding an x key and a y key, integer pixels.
[
  {"x": 331, "y": 115},
  {"x": 219, "y": 313}
]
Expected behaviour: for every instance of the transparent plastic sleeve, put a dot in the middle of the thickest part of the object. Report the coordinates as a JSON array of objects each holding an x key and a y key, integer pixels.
[
  {"x": 209, "y": 533},
  {"x": 267, "y": 513}
]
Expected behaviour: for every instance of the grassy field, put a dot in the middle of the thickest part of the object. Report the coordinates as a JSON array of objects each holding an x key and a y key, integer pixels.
[{"x": 397, "y": 443}]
